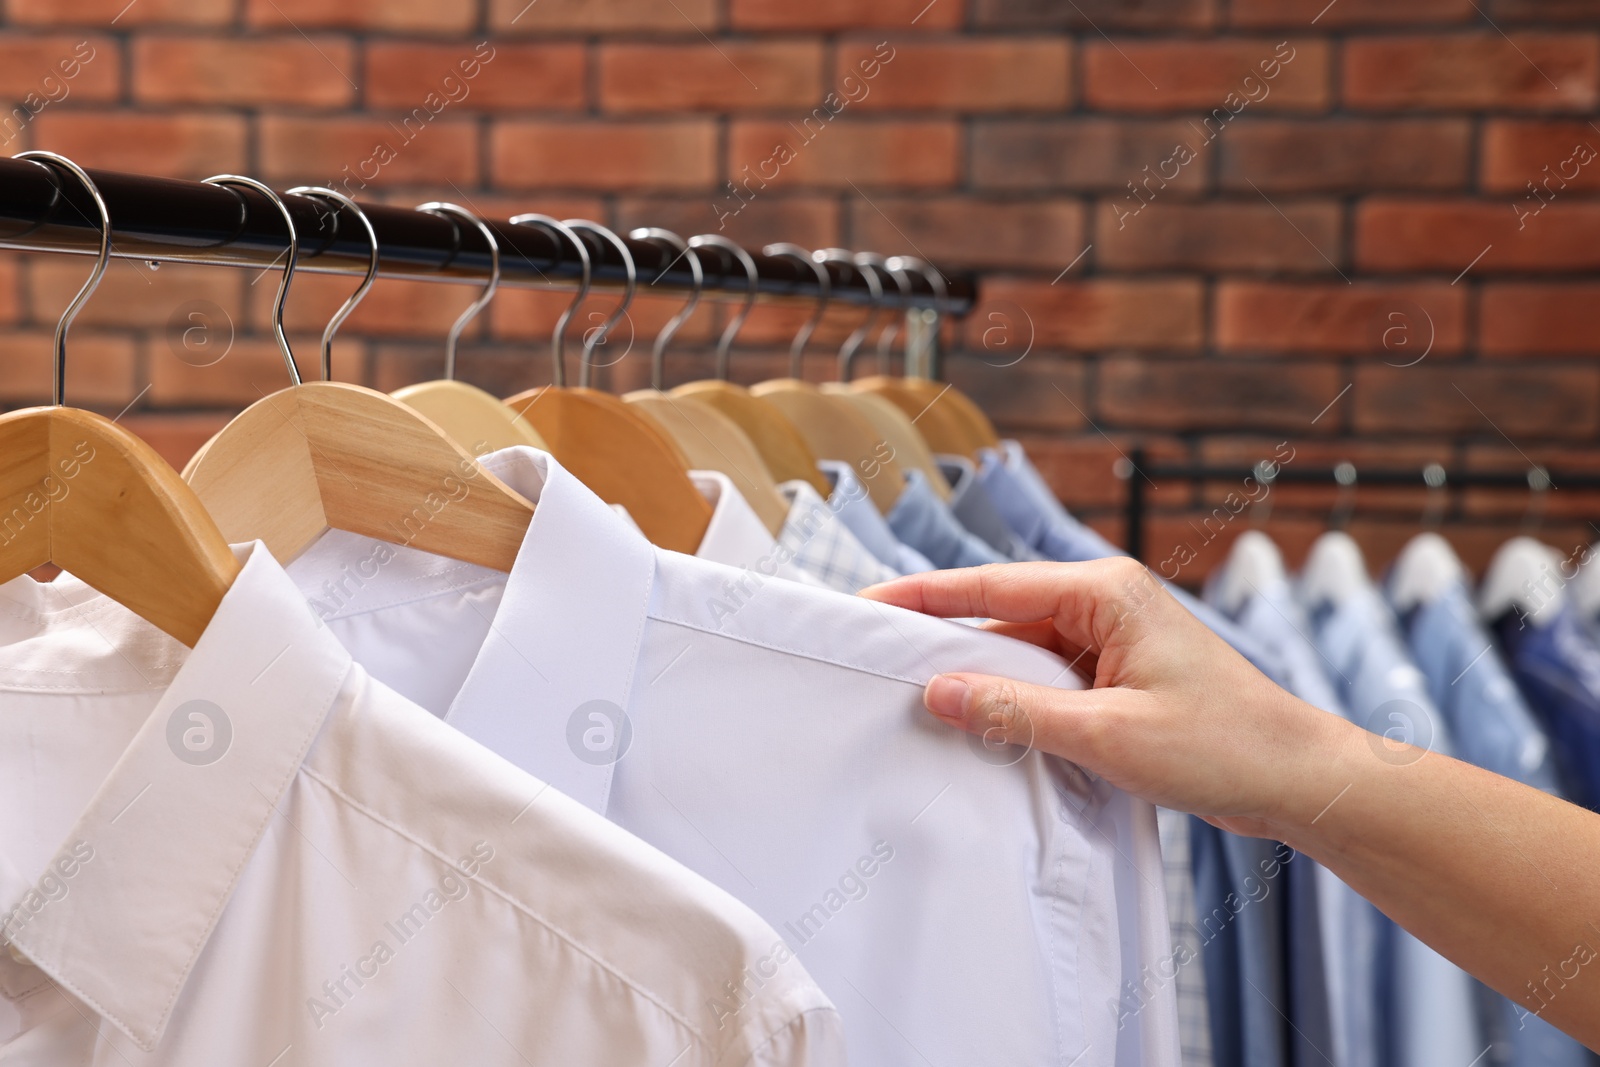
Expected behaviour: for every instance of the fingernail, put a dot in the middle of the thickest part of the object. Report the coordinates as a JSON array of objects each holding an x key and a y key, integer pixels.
[{"x": 946, "y": 697}]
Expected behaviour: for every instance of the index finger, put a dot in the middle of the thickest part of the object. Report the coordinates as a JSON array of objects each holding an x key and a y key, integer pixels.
[{"x": 1085, "y": 601}]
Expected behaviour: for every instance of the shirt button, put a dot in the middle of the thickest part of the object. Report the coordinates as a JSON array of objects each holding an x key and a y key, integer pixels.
[{"x": 11, "y": 950}]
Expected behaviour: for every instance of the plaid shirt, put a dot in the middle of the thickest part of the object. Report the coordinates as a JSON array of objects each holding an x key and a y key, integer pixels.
[{"x": 823, "y": 546}]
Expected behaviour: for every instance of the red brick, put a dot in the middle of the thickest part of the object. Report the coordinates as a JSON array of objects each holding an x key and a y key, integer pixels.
[
  {"x": 601, "y": 16},
  {"x": 319, "y": 150},
  {"x": 1298, "y": 14},
  {"x": 131, "y": 295},
  {"x": 825, "y": 15},
  {"x": 293, "y": 70},
  {"x": 1396, "y": 323},
  {"x": 1164, "y": 15},
  {"x": 393, "y": 307},
  {"x": 529, "y": 154},
  {"x": 987, "y": 74},
  {"x": 1145, "y": 75},
  {"x": 1518, "y": 402},
  {"x": 1565, "y": 501},
  {"x": 33, "y": 71},
  {"x": 732, "y": 76},
  {"x": 1082, "y": 469},
  {"x": 1551, "y": 318},
  {"x": 10, "y": 296},
  {"x": 1398, "y": 235},
  {"x": 1079, "y": 154},
  {"x": 1220, "y": 236},
  {"x": 957, "y": 232},
  {"x": 248, "y": 370},
  {"x": 813, "y": 221},
  {"x": 402, "y": 15},
  {"x": 1549, "y": 154},
  {"x": 172, "y": 146},
  {"x": 1208, "y": 394},
  {"x": 1541, "y": 71},
  {"x": 775, "y": 325},
  {"x": 99, "y": 367},
  {"x": 1086, "y": 315},
  {"x": 501, "y": 77},
  {"x": 1542, "y": 10},
  {"x": 102, "y": 14},
  {"x": 174, "y": 437},
  {"x": 872, "y": 153},
  {"x": 1032, "y": 394},
  {"x": 1345, "y": 155}
]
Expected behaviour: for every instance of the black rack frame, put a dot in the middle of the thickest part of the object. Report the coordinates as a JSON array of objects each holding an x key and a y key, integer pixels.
[
  {"x": 1135, "y": 471},
  {"x": 43, "y": 209}
]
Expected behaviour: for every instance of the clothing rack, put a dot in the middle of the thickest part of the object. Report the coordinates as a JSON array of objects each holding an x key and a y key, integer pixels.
[
  {"x": 168, "y": 220},
  {"x": 1139, "y": 474}
]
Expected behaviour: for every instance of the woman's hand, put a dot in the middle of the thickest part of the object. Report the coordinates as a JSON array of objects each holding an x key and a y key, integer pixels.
[{"x": 1175, "y": 715}]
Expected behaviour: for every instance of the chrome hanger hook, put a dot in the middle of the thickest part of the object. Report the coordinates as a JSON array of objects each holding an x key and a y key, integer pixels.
[
  {"x": 456, "y": 212},
  {"x": 58, "y": 387},
  {"x": 844, "y": 257},
  {"x": 752, "y": 278},
  {"x": 558, "y": 339},
  {"x": 902, "y": 282},
  {"x": 658, "y": 351},
  {"x": 941, "y": 292},
  {"x": 598, "y": 336},
  {"x": 797, "y": 347},
  {"x": 288, "y": 266},
  {"x": 316, "y": 191}
]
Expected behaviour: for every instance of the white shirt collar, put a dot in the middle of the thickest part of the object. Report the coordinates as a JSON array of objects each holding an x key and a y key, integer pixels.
[{"x": 170, "y": 836}]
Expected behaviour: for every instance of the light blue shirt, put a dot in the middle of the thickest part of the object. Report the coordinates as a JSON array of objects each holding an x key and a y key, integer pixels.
[
  {"x": 1028, "y": 505},
  {"x": 1430, "y": 1013},
  {"x": 1334, "y": 934},
  {"x": 970, "y": 503},
  {"x": 923, "y": 521},
  {"x": 849, "y": 501},
  {"x": 1494, "y": 728}
]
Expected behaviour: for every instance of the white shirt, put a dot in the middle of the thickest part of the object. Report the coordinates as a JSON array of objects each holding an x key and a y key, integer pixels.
[
  {"x": 959, "y": 905},
  {"x": 736, "y": 535},
  {"x": 255, "y": 854}
]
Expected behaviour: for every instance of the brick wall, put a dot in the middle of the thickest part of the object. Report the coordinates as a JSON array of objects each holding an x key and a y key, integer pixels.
[{"x": 1370, "y": 229}]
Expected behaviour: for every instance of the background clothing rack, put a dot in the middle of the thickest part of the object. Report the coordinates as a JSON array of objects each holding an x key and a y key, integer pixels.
[
  {"x": 164, "y": 219},
  {"x": 1139, "y": 474}
]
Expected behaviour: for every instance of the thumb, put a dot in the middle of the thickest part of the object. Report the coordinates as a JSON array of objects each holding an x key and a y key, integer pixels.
[{"x": 1063, "y": 722}]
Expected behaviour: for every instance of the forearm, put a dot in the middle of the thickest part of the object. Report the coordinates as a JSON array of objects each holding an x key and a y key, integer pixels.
[{"x": 1496, "y": 876}]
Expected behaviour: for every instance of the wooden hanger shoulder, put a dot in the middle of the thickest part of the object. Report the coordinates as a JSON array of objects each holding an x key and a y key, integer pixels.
[
  {"x": 166, "y": 560},
  {"x": 835, "y": 432},
  {"x": 474, "y": 419},
  {"x": 712, "y": 441},
  {"x": 331, "y": 455},
  {"x": 945, "y": 422},
  {"x": 623, "y": 458},
  {"x": 896, "y": 427},
  {"x": 781, "y": 445}
]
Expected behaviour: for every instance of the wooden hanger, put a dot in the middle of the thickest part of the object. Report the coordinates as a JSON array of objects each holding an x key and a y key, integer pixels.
[
  {"x": 710, "y": 439},
  {"x": 132, "y": 529},
  {"x": 780, "y": 444},
  {"x": 833, "y": 429},
  {"x": 949, "y": 420},
  {"x": 326, "y": 455},
  {"x": 471, "y": 417},
  {"x": 614, "y": 450}
]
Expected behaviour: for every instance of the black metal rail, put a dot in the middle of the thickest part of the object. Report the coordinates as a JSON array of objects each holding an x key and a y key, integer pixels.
[{"x": 167, "y": 220}]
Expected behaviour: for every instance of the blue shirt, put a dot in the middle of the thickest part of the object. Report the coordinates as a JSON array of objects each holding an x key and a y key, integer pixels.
[
  {"x": 855, "y": 509},
  {"x": 970, "y": 503},
  {"x": 1558, "y": 667},
  {"x": 923, "y": 521},
  {"x": 1430, "y": 1016},
  {"x": 1333, "y": 934},
  {"x": 1027, "y": 504}
]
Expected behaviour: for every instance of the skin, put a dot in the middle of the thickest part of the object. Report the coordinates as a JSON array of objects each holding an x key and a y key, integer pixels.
[{"x": 1498, "y": 877}]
